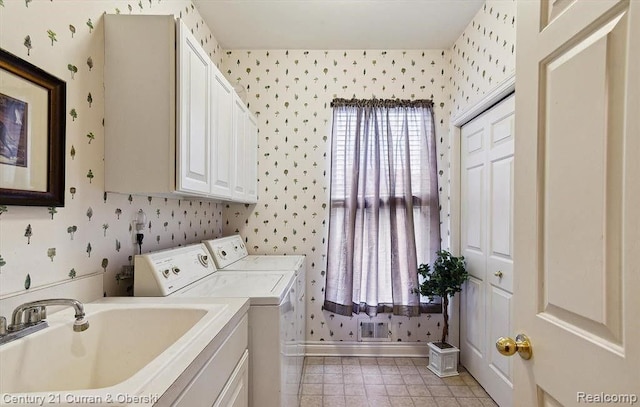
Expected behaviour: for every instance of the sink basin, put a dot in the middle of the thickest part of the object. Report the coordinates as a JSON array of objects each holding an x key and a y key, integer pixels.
[{"x": 127, "y": 344}]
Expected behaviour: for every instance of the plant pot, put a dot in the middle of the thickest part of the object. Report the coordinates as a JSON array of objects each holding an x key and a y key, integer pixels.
[{"x": 443, "y": 361}]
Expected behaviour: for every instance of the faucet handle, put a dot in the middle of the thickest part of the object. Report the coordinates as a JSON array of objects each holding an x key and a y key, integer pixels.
[{"x": 35, "y": 314}]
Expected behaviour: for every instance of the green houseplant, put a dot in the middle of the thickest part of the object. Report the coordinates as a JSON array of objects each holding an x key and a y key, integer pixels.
[{"x": 446, "y": 279}]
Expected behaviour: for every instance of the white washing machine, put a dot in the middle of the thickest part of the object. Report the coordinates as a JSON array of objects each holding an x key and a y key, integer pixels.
[
  {"x": 189, "y": 272},
  {"x": 230, "y": 255}
]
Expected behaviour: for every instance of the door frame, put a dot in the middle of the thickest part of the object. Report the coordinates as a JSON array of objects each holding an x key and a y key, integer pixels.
[{"x": 490, "y": 99}]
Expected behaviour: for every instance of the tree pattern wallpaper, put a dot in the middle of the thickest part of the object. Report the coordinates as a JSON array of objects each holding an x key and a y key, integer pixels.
[
  {"x": 92, "y": 232},
  {"x": 288, "y": 90}
]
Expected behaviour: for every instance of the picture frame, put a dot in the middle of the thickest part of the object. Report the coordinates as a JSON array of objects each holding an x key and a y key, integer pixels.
[{"x": 32, "y": 134}]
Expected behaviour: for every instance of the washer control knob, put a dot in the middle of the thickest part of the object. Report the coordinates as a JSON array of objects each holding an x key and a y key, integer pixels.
[
  {"x": 203, "y": 259},
  {"x": 165, "y": 273},
  {"x": 175, "y": 270}
]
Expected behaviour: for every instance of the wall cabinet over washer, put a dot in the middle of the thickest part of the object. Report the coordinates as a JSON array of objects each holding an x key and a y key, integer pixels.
[{"x": 171, "y": 127}]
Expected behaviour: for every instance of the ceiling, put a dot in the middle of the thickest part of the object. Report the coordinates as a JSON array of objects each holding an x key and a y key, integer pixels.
[{"x": 337, "y": 24}]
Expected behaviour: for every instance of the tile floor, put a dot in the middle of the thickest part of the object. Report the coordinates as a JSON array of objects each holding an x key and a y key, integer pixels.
[{"x": 385, "y": 382}]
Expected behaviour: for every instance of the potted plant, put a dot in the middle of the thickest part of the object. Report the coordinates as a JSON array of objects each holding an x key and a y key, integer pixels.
[{"x": 446, "y": 279}]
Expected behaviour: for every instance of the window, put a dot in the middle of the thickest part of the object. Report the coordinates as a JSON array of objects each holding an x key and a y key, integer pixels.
[{"x": 384, "y": 205}]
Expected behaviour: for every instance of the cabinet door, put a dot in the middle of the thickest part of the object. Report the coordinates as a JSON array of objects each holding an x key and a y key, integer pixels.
[
  {"x": 251, "y": 133},
  {"x": 240, "y": 149},
  {"x": 222, "y": 136},
  {"x": 236, "y": 392},
  {"x": 194, "y": 99}
]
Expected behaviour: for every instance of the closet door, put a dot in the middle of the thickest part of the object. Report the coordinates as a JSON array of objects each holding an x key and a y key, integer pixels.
[{"x": 487, "y": 147}]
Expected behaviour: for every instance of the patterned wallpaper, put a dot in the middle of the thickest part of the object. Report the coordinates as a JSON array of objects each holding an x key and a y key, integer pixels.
[
  {"x": 91, "y": 233},
  {"x": 290, "y": 92}
]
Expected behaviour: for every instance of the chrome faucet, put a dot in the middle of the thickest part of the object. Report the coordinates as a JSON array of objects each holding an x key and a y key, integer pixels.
[{"x": 30, "y": 317}]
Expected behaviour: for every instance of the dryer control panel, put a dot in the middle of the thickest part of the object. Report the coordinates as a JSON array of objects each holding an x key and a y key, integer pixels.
[
  {"x": 164, "y": 272},
  {"x": 226, "y": 250}
]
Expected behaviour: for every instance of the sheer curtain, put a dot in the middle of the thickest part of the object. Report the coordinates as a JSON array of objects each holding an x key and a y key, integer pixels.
[{"x": 384, "y": 217}]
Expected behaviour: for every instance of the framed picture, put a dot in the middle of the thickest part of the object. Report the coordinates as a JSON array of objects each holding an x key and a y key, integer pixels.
[{"x": 32, "y": 134}]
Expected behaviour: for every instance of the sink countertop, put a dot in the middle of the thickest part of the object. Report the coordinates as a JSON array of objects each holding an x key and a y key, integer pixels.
[{"x": 147, "y": 385}]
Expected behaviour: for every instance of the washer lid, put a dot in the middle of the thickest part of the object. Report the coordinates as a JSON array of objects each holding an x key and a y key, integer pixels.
[
  {"x": 268, "y": 262},
  {"x": 268, "y": 288}
]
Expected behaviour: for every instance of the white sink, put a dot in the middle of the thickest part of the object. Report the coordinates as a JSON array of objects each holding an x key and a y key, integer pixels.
[{"x": 128, "y": 343}]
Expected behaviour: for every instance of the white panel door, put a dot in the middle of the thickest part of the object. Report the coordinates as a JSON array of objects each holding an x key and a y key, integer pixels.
[
  {"x": 487, "y": 243},
  {"x": 194, "y": 99},
  {"x": 222, "y": 137},
  {"x": 577, "y": 202}
]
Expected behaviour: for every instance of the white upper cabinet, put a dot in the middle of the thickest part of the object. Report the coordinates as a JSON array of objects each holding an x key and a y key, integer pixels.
[
  {"x": 194, "y": 115},
  {"x": 222, "y": 138},
  {"x": 171, "y": 124},
  {"x": 245, "y": 138}
]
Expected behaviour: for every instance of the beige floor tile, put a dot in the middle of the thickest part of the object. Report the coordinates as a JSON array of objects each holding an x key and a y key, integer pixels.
[
  {"x": 420, "y": 361},
  {"x": 424, "y": 402},
  {"x": 418, "y": 390},
  {"x": 346, "y": 369},
  {"x": 353, "y": 378},
  {"x": 479, "y": 392},
  {"x": 408, "y": 370},
  {"x": 392, "y": 379},
  {"x": 314, "y": 369},
  {"x": 333, "y": 369},
  {"x": 488, "y": 403},
  {"x": 445, "y": 402},
  {"x": 453, "y": 381},
  {"x": 375, "y": 389},
  {"x": 370, "y": 369},
  {"x": 432, "y": 380},
  {"x": 312, "y": 378},
  {"x": 424, "y": 370},
  {"x": 314, "y": 360},
  {"x": 311, "y": 401},
  {"x": 468, "y": 379},
  {"x": 354, "y": 390},
  {"x": 332, "y": 360},
  {"x": 384, "y": 369},
  {"x": 368, "y": 361},
  {"x": 403, "y": 361},
  {"x": 311, "y": 389},
  {"x": 470, "y": 402},
  {"x": 439, "y": 391},
  {"x": 401, "y": 401},
  {"x": 333, "y": 390},
  {"x": 397, "y": 390},
  {"x": 350, "y": 360},
  {"x": 332, "y": 378},
  {"x": 333, "y": 401},
  {"x": 356, "y": 401},
  {"x": 379, "y": 401},
  {"x": 386, "y": 361},
  {"x": 412, "y": 379},
  {"x": 461, "y": 391},
  {"x": 372, "y": 379}
]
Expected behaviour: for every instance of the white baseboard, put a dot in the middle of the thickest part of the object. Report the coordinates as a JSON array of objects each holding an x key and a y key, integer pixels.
[{"x": 394, "y": 349}]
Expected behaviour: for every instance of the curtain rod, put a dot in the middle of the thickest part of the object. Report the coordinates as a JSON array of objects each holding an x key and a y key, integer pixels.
[{"x": 338, "y": 102}]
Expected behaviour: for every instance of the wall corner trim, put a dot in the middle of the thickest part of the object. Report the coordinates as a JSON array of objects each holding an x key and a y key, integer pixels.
[{"x": 499, "y": 92}]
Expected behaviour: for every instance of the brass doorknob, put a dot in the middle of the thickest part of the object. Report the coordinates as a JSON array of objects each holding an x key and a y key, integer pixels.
[
  {"x": 498, "y": 274},
  {"x": 508, "y": 347}
]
